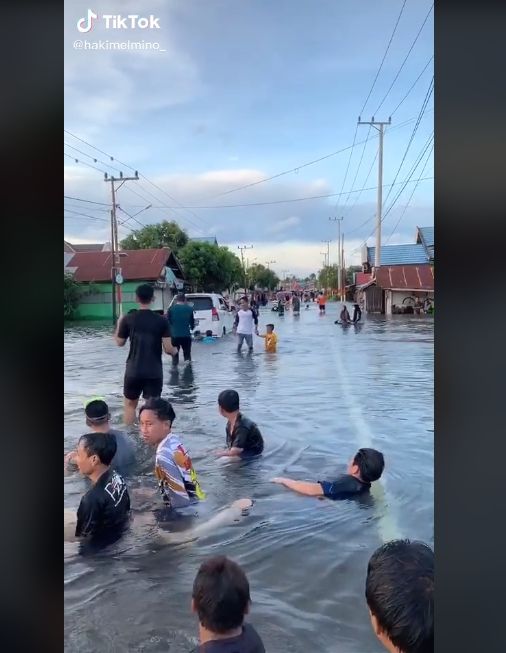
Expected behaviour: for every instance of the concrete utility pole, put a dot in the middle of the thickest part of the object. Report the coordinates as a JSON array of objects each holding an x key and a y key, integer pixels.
[
  {"x": 328, "y": 260},
  {"x": 380, "y": 127},
  {"x": 242, "y": 248},
  {"x": 339, "y": 263},
  {"x": 268, "y": 263},
  {"x": 342, "y": 291},
  {"x": 115, "y": 263}
]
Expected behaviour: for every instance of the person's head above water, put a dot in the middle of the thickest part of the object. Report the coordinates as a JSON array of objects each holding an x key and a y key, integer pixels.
[
  {"x": 228, "y": 402},
  {"x": 97, "y": 415},
  {"x": 209, "y": 333},
  {"x": 144, "y": 294},
  {"x": 367, "y": 465},
  {"x": 221, "y": 596},
  {"x": 399, "y": 591},
  {"x": 156, "y": 418},
  {"x": 95, "y": 452}
]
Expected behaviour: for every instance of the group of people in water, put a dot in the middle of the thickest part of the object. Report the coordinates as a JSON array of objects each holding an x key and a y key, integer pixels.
[{"x": 399, "y": 580}]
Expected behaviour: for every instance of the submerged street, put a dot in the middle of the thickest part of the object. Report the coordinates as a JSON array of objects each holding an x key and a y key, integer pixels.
[{"x": 326, "y": 392}]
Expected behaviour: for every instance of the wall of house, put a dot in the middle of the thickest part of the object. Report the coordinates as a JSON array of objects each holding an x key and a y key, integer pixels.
[
  {"x": 98, "y": 306},
  {"x": 397, "y": 297}
]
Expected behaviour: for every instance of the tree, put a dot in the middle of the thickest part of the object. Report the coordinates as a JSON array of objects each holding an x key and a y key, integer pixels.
[
  {"x": 209, "y": 267},
  {"x": 350, "y": 274},
  {"x": 327, "y": 277},
  {"x": 71, "y": 296},
  {"x": 259, "y": 275},
  {"x": 163, "y": 234}
]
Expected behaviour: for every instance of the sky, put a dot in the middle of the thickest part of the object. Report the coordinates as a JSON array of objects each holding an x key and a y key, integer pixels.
[{"x": 234, "y": 92}]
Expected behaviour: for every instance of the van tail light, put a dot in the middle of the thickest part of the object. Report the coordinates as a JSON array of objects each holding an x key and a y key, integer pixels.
[{"x": 216, "y": 316}]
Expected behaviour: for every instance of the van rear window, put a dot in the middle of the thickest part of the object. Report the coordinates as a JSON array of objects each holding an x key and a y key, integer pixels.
[{"x": 201, "y": 303}]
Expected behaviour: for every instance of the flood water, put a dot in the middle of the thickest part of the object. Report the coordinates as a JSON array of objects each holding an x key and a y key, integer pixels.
[{"x": 325, "y": 393}]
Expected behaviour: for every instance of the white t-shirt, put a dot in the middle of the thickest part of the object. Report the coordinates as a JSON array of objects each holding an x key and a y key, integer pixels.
[{"x": 246, "y": 323}]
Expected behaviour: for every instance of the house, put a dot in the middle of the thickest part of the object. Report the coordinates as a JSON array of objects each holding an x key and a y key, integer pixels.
[
  {"x": 158, "y": 267},
  {"x": 205, "y": 239},
  {"x": 404, "y": 277},
  {"x": 86, "y": 247}
]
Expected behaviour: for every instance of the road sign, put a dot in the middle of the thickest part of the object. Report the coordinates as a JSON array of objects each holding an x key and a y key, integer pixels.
[{"x": 119, "y": 278}]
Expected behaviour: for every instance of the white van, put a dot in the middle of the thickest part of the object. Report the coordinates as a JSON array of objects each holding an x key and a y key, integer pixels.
[{"x": 211, "y": 313}]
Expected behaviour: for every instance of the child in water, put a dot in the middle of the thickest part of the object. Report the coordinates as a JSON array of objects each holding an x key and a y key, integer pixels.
[
  {"x": 208, "y": 338},
  {"x": 271, "y": 339}
]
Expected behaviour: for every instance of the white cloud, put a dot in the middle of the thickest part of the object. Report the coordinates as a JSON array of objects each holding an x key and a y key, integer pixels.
[{"x": 283, "y": 225}]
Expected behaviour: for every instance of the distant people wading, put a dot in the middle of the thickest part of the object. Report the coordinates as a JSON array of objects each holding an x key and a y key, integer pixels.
[
  {"x": 322, "y": 300},
  {"x": 245, "y": 325},
  {"x": 148, "y": 333},
  {"x": 357, "y": 313},
  {"x": 181, "y": 321}
]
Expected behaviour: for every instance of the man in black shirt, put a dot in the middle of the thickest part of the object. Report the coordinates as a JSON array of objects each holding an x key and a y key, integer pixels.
[
  {"x": 243, "y": 436},
  {"x": 148, "y": 333},
  {"x": 221, "y": 599},
  {"x": 366, "y": 467},
  {"x": 105, "y": 509}
]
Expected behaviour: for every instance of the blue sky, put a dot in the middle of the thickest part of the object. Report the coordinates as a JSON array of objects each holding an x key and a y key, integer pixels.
[{"x": 247, "y": 89}]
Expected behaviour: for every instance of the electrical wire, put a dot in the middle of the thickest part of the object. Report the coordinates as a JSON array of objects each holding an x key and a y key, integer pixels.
[{"x": 412, "y": 86}]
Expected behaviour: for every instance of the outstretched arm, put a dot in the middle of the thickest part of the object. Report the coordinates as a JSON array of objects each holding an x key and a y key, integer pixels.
[{"x": 302, "y": 487}]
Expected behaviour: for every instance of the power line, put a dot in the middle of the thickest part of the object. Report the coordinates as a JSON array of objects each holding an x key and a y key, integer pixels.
[
  {"x": 86, "y": 215},
  {"x": 413, "y": 85},
  {"x": 415, "y": 129},
  {"x": 80, "y": 199},
  {"x": 384, "y": 57},
  {"x": 412, "y": 193},
  {"x": 405, "y": 59},
  {"x": 358, "y": 169},
  {"x": 91, "y": 157},
  {"x": 84, "y": 163}
]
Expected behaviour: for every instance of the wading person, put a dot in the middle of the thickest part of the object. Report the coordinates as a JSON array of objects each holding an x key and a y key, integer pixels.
[
  {"x": 177, "y": 479},
  {"x": 243, "y": 436},
  {"x": 357, "y": 313},
  {"x": 148, "y": 333},
  {"x": 98, "y": 419},
  {"x": 365, "y": 468},
  {"x": 221, "y": 599},
  {"x": 322, "y": 300},
  {"x": 271, "y": 339},
  {"x": 245, "y": 325},
  {"x": 181, "y": 322},
  {"x": 399, "y": 591},
  {"x": 104, "y": 510},
  {"x": 344, "y": 315},
  {"x": 296, "y": 305}
]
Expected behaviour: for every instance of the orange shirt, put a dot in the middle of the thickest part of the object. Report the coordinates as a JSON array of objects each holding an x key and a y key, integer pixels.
[
  {"x": 271, "y": 340},
  {"x": 322, "y": 300}
]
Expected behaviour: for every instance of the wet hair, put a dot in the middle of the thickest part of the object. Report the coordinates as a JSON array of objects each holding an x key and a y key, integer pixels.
[
  {"x": 399, "y": 591},
  {"x": 144, "y": 293},
  {"x": 270, "y": 325},
  {"x": 221, "y": 595},
  {"x": 209, "y": 333},
  {"x": 97, "y": 412},
  {"x": 229, "y": 400},
  {"x": 181, "y": 297},
  {"x": 161, "y": 407},
  {"x": 102, "y": 445},
  {"x": 371, "y": 464}
]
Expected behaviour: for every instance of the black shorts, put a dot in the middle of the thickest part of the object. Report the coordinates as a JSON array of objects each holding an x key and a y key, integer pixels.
[{"x": 134, "y": 387}]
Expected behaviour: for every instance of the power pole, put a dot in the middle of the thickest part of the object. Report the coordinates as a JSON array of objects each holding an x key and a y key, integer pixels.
[
  {"x": 115, "y": 263},
  {"x": 342, "y": 291},
  {"x": 328, "y": 261},
  {"x": 339, "y": 263},
  {"x": 242, "y": 248},
  {"x": 268, "y": 263},
  {"x": 380, "y": 127}
]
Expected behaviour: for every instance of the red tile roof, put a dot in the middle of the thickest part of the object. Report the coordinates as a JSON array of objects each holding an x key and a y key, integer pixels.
[
  {"x": 138, "y": 265},
  {"x": 362, "y": 277},
  {"x": 406, "y": 277}
]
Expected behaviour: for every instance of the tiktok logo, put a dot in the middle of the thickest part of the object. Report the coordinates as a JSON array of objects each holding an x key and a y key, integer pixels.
[{"x": 86, "y": 24}]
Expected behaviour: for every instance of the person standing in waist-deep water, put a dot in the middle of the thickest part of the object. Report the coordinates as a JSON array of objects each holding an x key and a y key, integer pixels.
[
  {"x": 148, "y": 333},
  {"x": 399, "y": 590},
  {"x": 104, "y": 510},
  {"x": 245, "y": 324},
  {"x": 296, "y": 304},
  {"x": 367, "y": 466},
  {"x": 357, "y": 313},
  {"x": 98, "y": 419},
  {"x": 243, "y": 436},
  {"x": 181, "y": 322},
  {"x": 221, "y": 599}
]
